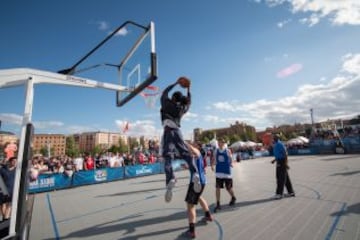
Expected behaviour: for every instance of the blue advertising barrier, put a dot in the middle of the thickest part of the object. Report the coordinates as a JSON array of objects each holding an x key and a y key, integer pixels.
[
  {"x": 97, "y": 176},
  {"x": 256, "y": 154},
  {"x": 302, "y": 151},
  {"x": 351, "y": 145},
  {"x": 142, "y": 170},
  {"x": 49, "y": 182}
]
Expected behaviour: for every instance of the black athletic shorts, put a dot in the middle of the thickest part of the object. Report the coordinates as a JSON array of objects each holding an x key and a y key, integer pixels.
[
  {"x": 220, "y": 182},
  {"x": 192, "y": 197}
]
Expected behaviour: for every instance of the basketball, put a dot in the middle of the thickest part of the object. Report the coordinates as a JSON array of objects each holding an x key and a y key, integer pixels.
[{"x": 184, "y": 82}]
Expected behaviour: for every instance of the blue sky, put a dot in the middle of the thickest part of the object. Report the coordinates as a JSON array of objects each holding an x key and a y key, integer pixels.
[{"x": 262, "y": 62}]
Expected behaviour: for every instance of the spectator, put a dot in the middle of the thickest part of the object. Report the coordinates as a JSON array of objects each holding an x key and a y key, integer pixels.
[
  {"x": 79, "y": 163},
  {"x": 7, "y": 172},
  {"x": 89, "y": 163},
  {"x": 10, "y": 150},
  {"x": 113, "y": 161},
  {"x": 151, "y": 158}
]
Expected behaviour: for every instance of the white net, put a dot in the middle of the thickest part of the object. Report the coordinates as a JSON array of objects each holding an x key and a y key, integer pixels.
[{"x": 150, "y": 96}]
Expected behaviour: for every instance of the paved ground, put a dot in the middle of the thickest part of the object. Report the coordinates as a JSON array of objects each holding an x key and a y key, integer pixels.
[{"x": 326, "y": 206}]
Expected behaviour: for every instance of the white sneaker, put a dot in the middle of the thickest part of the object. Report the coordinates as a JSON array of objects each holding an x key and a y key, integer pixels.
[
  {"x": 169, "y": 193},
  {"x": 197, "y": 184}
]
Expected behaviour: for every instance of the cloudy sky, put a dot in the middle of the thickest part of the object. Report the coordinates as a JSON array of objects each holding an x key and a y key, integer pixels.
[{"x": 262, "y": 62}]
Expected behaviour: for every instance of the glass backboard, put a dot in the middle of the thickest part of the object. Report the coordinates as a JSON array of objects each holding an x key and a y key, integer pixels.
[
  {"x": 126, "y": 57},
  {"x": 139, "y": 67}
]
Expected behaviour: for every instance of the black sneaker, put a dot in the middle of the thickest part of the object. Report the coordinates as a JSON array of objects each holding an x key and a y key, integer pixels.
[
  {"x": 190, "y": 234},
  {"x": 232, "y": 202},
  {"x": 217, "y": 208}
]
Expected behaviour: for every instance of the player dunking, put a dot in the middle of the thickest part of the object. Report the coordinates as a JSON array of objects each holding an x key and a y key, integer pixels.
[{"x": 173, "y": 145}]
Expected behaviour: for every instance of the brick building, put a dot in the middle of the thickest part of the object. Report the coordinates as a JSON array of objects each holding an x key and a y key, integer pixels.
[
  {"x": 55, "y": 142},
  {"x": 240, "y": 129}
]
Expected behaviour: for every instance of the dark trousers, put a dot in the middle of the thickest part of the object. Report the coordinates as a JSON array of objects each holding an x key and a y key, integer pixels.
[
  {"x": 174, "y": 147},
  {"x": 282, "y": 178}
]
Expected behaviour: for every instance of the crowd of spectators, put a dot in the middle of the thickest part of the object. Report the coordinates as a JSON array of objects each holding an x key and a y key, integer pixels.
[
  {"x": 7, "y": 177},
  {"x": 348, "y": 131},
  {"x": 85, "y": 162}
]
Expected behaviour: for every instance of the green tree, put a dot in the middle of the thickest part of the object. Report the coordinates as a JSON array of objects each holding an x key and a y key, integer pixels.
[
  {"x": 45, "y": 152},
  {"x": 243, "y": 136},
  {"x": 234, "y": 138},
  {"x": 308, "y": 132},
  {"x": 97, "y": 150},
  {"x": 251, "y": 135},
  {"x": 133, "y": 144},
  {"x": 142, "y": 142},
  {"x": 71, "y": 149},
  {"x": 292, "y": 135},
  {"x": 122, "y": 146},
  {"x": 204, "y": 139},
  {"x": 114, "y": 149}
]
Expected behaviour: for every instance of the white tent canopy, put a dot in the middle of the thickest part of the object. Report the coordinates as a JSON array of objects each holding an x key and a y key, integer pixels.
[
  {"x": 241, "y": 144},
  {"x": 298, "y": 140},
  {"x": 238, "y": 144}
]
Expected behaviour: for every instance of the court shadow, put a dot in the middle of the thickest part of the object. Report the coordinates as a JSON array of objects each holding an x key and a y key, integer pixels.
[
  {"x": 131, "y": 192},
  {"x": 338, "y": 157},
  {"x": 154, "y": 181},
  {"x": 226, "y": 207},
  {"x": 141, "y": 191},
  {"x": 128, "y": 226},
  {"x": 346, "y": 173},
  {"x": 352, "y": 209}
]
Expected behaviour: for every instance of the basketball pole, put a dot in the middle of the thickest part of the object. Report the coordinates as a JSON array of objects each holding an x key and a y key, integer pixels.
[
  {"x": 29, "y": 77},
  {"x": 29, "y": 96}
]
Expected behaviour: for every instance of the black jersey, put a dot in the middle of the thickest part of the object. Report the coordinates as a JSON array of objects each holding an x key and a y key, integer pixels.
[{"x": 173, "y": 110}]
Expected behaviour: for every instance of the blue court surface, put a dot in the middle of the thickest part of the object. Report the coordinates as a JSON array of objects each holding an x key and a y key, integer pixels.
[{"x": 326, "y": 206}]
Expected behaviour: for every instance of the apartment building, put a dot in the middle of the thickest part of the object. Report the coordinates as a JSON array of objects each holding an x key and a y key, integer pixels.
[
  {"x": 239, "y": 128},
  {"x": 7, "y": 137},
  {"x": 55, "y": 142},
  {"x": 88, "y": 140}
]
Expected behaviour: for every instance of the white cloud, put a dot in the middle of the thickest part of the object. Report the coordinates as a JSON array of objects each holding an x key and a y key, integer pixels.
[
  {"x": 103, "y": 25},
  {"x": 225, "y": 106},
  {"x": 82, "y": 128},
  {"x": 351, "y": 64},
  {"x": 139, "y": 128},
  {"x": 339, "y": 12},
  {"x": 48, "y": 124},
  {"x": 311, "y": 21},
  {"x": 11, "y": 118},
  {"x": 283, "y": 23},
  {"x": 122, "y": 32},
  {"x": 335, "y": 99},
  {"x": 273, "y": 3},
  {"x": 189, "y": 116}
]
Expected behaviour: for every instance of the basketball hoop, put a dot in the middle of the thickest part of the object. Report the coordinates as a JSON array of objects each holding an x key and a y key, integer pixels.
[{"x": 150, "y": 95}]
